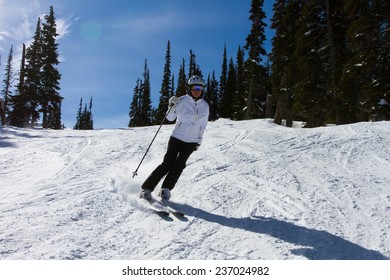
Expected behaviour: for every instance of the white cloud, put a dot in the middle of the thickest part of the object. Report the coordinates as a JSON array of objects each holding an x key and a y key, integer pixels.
[
  {"x": 63, "y": 26},
  {"x": 18, "y": 19}
]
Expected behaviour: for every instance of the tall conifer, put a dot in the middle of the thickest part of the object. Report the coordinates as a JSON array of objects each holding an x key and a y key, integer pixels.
[
  {"x": 166, "y": 87},
  {"x": 181, "y": 88},
  {"x": 6, "y": 91},
  {"x": 50, "y": 98},
  {"x": 284, "y": 21},
  {"x": 223, "y": 82},
  {"x": 239, "y": 98},
  {"x": 227, "y": 105},
  {"x": 310, "y": 94},
  {"x": 134, "y": 113},
  {"x": 145, "y": 108},
  {"x": 256, "y": 52},
  {"x": 212, "y": 97}
]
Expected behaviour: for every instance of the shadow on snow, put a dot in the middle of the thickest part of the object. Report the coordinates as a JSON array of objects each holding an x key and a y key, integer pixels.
[
  {"x": 5, "y": 136},
  {"x": 319, "y": 244}
]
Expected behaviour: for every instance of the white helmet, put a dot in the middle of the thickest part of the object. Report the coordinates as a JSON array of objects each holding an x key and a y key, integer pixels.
[{"x": 196, "y": 80}]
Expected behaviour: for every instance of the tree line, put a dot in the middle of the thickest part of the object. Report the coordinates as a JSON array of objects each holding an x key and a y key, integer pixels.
[
  {"x": 239, "y": 93},
  {"x": 329, "y": 63}
]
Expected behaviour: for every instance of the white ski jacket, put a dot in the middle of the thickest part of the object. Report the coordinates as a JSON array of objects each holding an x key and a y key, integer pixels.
[{"x": 192, "y": 117}]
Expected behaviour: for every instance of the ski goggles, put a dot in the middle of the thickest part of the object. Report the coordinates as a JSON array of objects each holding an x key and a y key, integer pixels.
[{"x": 197, "y": 88}]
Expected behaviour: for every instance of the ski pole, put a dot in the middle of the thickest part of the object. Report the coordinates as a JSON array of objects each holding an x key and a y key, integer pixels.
[{"x": 147, "y": 150}]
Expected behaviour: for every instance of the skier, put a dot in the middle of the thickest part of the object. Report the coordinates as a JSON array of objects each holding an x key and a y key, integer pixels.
[{"x": 191, "y": 112}]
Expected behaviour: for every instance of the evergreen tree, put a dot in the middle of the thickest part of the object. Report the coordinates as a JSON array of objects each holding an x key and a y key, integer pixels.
[
  {"x": 2, "y": 112},
  {"x": 39, "y": 80},
  {"x": 54, "y": 116},
  {"x": 380, "y": 88},
  {"x": 255, "y": 46},
  {"x": 6, "y": 91},
  {"x": 50, "y": 98},
  {"x": 269, "y": 106},
  {"x": 286, "y": 15},
  {"x": 166, "y": 88},
  {"x": 78, "y": 117},
  {"x": 212, "y": 97},
  {"x": 84, "y": 117},
  {"x": 310, "y": 94},
  {"x": 336, "y": 28},
  {"x": 135, "y": 106},
  {"x": 365, "y": 81},
  {"x": 181, "y": 88},
  {"x": 172, "y": 93},
  {"x": 19, "y": 115},
  {"x": 353, "y": 72},
  {"x": 141, "y": 111},
  {"x": 145, "y": 108},
  {"x": 223, "y": 82},
  {"x": 239, "y": 99},
  {"x": 194, "y": 68},
  {"x": 227, "y": 110},
  {"x": 26, "y": 102},
  {"x": 90, "y": 115}
]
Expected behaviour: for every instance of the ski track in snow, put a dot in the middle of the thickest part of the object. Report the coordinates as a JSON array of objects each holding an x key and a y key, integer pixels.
[{"x": 254, "y": 190}]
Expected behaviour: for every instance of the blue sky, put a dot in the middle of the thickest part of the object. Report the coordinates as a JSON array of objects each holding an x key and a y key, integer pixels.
[{"x": 103, "y": 44}]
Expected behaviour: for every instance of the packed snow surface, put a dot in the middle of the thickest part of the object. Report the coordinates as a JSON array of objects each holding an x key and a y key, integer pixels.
[{"x": 254, "y": 190}]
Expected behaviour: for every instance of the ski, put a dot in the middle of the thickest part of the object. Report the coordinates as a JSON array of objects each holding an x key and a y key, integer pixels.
[
  {"x": 162, "y": 208},
  {"x": 161, "y": 211},
  {"x": 172, "y": 210}
]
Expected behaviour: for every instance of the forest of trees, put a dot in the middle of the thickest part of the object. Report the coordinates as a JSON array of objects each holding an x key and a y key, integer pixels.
[
  {"x": 329, "y": 63},
  {"x": 330, "y": 60}
]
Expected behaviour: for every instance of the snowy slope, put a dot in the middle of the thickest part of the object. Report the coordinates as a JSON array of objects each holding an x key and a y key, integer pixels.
[{"x": 253, "y": 190}]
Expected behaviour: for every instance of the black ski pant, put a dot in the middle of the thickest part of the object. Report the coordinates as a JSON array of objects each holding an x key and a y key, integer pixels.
[{"x": 172, "y": 166}]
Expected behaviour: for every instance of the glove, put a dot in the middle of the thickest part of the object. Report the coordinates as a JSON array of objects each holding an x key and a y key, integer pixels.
[{"x": 173, "y": 101}]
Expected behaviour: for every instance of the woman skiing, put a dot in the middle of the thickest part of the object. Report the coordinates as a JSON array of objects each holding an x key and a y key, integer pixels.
[{"x": 191, "y": 112}]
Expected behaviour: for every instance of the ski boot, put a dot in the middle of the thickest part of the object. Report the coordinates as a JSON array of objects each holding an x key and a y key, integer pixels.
[
  {"x": 146, "y": 194},
  {"x": 165, "y": 194}
]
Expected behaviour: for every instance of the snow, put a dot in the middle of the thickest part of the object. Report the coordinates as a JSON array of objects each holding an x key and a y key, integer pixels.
[
  {"x": 254, "y": 190},
  {"x": 383, "y": 102}
]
